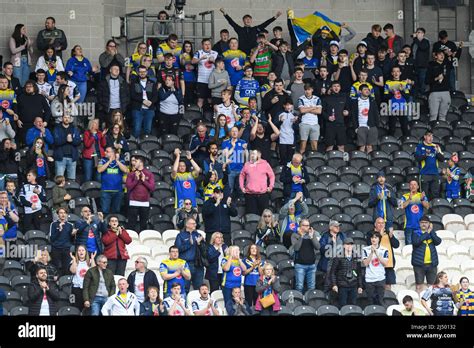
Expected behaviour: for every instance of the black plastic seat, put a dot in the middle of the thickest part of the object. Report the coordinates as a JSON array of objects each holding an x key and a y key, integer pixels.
[
  {"x": 327, "y": 175},
  {"x": 364, "y": 222},
  {"x": 286, "y": 268},
  {"x": 335, "y": 159},
  {"x": 319, "y": 222},
  {"x": 327, "y": 310},
  {"x": 453, "y": 144},
  {"x": 349, "y": 175},
  {"x": 5, "y": 284},
  {"x": 401, "y": 159},
  {"x": 36, "y": 237},
  {"x": 304, "y": 311},
  {"x": 12, "y": 268},
  {"x": 69, "y": 311},
  {"x": 358, "y": 236},
  {"x": 462, "y": 206},
  {"x": 13, "y": 299},
  {"x": 19, "y": 311},
  {"x": 292, "y": 296},
  {"x": 91, "y": 189},
  {"x": 315, "y": 160},
  {"x": 441, "y": 206},
  {"x": 360, "y": 190},
  {"x": 351, "y": 206},
  {"x": 437, "y": 222},
  {"x": 351, "y": 311},
  {"x": 317, "y": 190},
  {"x": 394, "y": 175},
  {"x": 462, "y": 129},
  {"x": 329, "y": 206},
  {"x": 339, "y": 190},
  {"x": 374, "y": 310},
  {"x": 161, "y": 222},
  {"x": 442, "y": 129},
  {"x": 359, "y": 159}
]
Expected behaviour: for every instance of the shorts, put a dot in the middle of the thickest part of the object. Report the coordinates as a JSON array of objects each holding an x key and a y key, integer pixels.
[
  {"x": 203, "y": 91},
  {"x": 426, "y": 271},
  {"x": 309, "y": 131},
  {"x": 367, "y": 136},
  {"x": 335, "y": 135},
  {"x": 390, "y": 277}
]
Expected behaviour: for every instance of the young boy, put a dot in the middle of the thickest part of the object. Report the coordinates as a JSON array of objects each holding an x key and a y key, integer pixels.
[
  {"x": 31, "y": 196},
  {"x": 469, "y": 185},
  {"x": 60, "y": 196},
  {"x": 363, "y": 76},
  {"x": 218, "y": 81},
  {"x": 10, "y": 187},
  {"x": 228, "y": 108},
  {"x": 397, "y": 92},
  {"x": 451, "y": 174},
  {"x": 246, "y": 88},
  {"x": 287, "y": 133},
  {"x": 277, "y": 36}
]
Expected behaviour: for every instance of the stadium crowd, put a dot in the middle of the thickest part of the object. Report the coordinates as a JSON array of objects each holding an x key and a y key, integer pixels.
[{"x": 216, "y": 142}]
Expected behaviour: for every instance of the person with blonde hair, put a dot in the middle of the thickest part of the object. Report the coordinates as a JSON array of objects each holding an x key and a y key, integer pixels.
[
  {"x": 233, "y": 267},
  {"x": 215, "y": 254},
  {"x": 268, "y": 286},
  {"x": 80, "y": 264},
  {"x": 94, "y": 150},
  {"x": 43, "y": 260},
  {"x": 268, "y": 230}
]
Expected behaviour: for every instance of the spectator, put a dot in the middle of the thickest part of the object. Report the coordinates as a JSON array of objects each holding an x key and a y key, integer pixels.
[
  {"x": 116, "y": 139},
  {"x": 115, "y": 239},
  {"x": 441, "y": 296},
  {"x": 171, "y": 46},
  {"x": 383, "y": 199},
  {"x": 80, "y": 264},
  {"x": 123, "y": 303},
  {"x": 205, "y": 59},
  {"x": 468, "y": 185},
  {"x": 322, "y": 39},
  {"x": 98, "y": 285},
  {"x": 233, "y": 267},
  {"x": 361, "y": 78},
  {"x": 229, "y": 110},
  {"x": 21, "y": 51},
  {"x": 287, "y": 139},
  {"x": 256, "y": 182},
  {"x": 414, "y": 204},
  {"x": 174, "y": 271},
  {"x": 424, "y": 257},
  {"x": 42, "y": 295},
  {"x": 111, "y": 57},
  {"x": 163, "y": 26},
  {"x": 261, "y": 57},
  {"x": 142, "y": 279},
  {"x": 283, "y": 61},
  {"x": 346, "y": 275},
  {"x": 335, "y": 109},
  {"x": 215, "y": 253},
  {"x": 175, "y": 304},
  {"x": 375, "y": 76},
  {"x": 62, "y": 78},
  {"x": 342, "y": 71},
  {"x": 421, "y": 55},
  {"x": 248, "y": 34},
  {"x": 147, "y": 62},
  {"x": 237, "y": 306},
  {"x": 94, "y": 144},
  {"x": 39, "y": 130},
  {"x": 60, "y": 233},
  {"x": 6, "y": 129},
  {"x": 296, "y": 88},
  {"x": 189, "y": 73},
  {"x": 169, "y": 68},
  {"x": 13, "y": 82},
  {"x": 51, "y": 37},
  {"x": 290, "y": 215},
  {"x": 212, "y": 162},
  {"x": 188, "y": 242},
  {"x": 305, "y": 247},
  {"x": 397, "y": 94},
  {"x": 374, "y": 39},
  {"x": 8, "y": 163},
  {"x": 234, "y": 150},
  {"x": 154, "y": 306},
  {"x": 274, "y": 100},
  {"x": 428, "y": 155},
  {"x": 393, "y": 41},
  {"x": 219, "y": 81},
  {"x": 66, "y": 142},
  {"x": 184, "y": 179},
  {"x": 198, "y": 143},
  {"x": 32, "y": 196},
  {"x": 223, "y": 44},
  {"x": 268, "y": 231},
  {"x": 294, "y": 177},
  {"x": 79, "y": 69},
  {"x": 9, "y": 218},
  {"x": 144, "y": 96},
  {"x": 31, "y": 104},
  {"x": 255, "y": 266},
  {"x": 465, "y": 298},
  {"x": 365, "y": 119},
  {"x": 262, "y": 137},
  {"x": 331, "y": 243},
  {"x": 330, "y": 59},
  {"x": 235, "y": 60},
  {"x": 88, "y": 231},
  {"x": 140, "y": 184},
  {"x": 113, "y": 92},
  {"x": 134, "y": 61},
  {"x": 410, "y": 309},
  {"x": 452, "y": 176},
  {"x": 247, "y": 88},
  {"x": 268, "y": 285},
  {"x": 50, "y": 63},
  {"x": 375, "y": 259},
  {"x": 309, "y": 106},
  {"x": 204, "y": 305},
  {"x": 437, "y": 77},
  {"x": 62, "y": 104},
  {"x": 112, "y": 169},
  {"x": 404, "y": 62},
  {"x": 187, "y": 211},
  {"x": 171, "y": 106},
  {"x": 389, "y": 241},
  {"x": 43, "y": 260},
  {"x": 61, "y": 198},
  {"x": 10, "y": 187},
  {"x": 8, "y": 101},
  {"x": 452, "y": 54}
]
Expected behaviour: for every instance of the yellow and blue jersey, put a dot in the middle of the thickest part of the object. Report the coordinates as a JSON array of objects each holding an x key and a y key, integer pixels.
[
  {"x": 466, "y": 298},
  {"x": 7, "y": 101},
  {"x": 164, "y": 48},
  {"x": 414, "y": 211},
  {"x": 252, "y": 277},
  {"x": 233, "y": 58},
  {"x": 209, "y": 188},
  {"x": 296, "y": 172},
  {"x": 430, "y": 164},
  {"x": 397, "y": 92},
  {"x": 170, "y": 266},
  {"x": 233, "y": 277},
  {"x": 355, "y": 93},
  {"x": 453, "y": 186},
  {"x": 134, "y": 61},
  {"x": 184, "y": 188}
]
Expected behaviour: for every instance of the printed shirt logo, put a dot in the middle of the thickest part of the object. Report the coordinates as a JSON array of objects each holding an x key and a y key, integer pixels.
[
  {"x": 415, "y": 209},
  {"x": 82, "y": 272},
  {"x": 375, "y": 262},
  {"x": 237, "y": 271},
  {"x": 365, "y": 112},
  {"x": 186, "y": 184},
  {"x": 34, "y": 198},
  {"x": 5, "y": 104},
  {"x": 39, "y": 162}
]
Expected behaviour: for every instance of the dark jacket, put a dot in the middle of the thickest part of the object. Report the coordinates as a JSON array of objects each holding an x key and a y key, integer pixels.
[
  {"x": 274, "y": 109},
  {"x": 326, "y": 244},
  {"x": 419, "y": 248},
  {"x": 91, "y": 283},
  {"x": 321, "y": 44},
  {"x": 35, "y": 298},
  {"x": 231, "y": 308},
  {"x": 198, "y": 148},
  {"x": 278, "y": 59},
  {"x": 421, "y": 52},
  {"x": 83, "y": 228},
  {"x": 373, "y": 44},
  {"x": 187, "y": 251},
  {"x": 3, "y": 298},
  {"x": 61, "y": 239},
  {"x": 103, "y": 94},
  {"x": 287, "y": 180},
  {"x": 217, "y": 219},
  {"x": 373, "y": 117},
  {"x": 60, "y": 141},
  {"x": 341, "y": 267},
  {"x": 339, "y": 102},
  {"x": 182, "y": 216},
  {"x": 115, "y": 246},
  {"x": 397, "y": 43},
  {"x": 31, "y": 106},
  {"x": 390, "y": 203},
  {"x": 248, "y": 35},
  {"x": 149, "y": 279},
  {"x": 121, "y": 139},
  {"x": 213, "y": 259},
  {"x": 45, "y": 36},
  {"x": 146, "y": 309},
  {"x": 434, "y": 70},
  {"x": 8, "y": 163},
  {"x": 136, "y": 94}
]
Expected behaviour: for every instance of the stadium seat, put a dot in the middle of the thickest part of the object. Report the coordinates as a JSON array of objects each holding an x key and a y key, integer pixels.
[
  {"x": 5, "y": 284},
  {"x": 410, "y": 283},
  {"x": 91, "y": 189},
  {"x": 401, "y": 159},
  {"x": 448, "y": 237},
  {"x": 36, "y": 237},
  {"x": 327, "y": 310},
  {"x": 441, "y": 207},
  {"x": 69, "y": 311},
  {"x": 73, "y": 188},
  {"x": 139, "y": 250},
  {"x": 374, "y": 310},
  {"x": 292, "y": 298},
  {"x": 285, "y": 311},
  {"x": 458, "y": 253},
  {"x": 169, "y": 236},
  {"x": 348, "y": 175},
  {"x": 192, "y": 296},
  {"x": 133, "y": 235},
  {"x": 20, "y": 284},
  {"x": 352, "y": 206},
  {"x": 19, "y": 311},
  {"x": 453, "y": 144},
  {"x": 339, "y": 190},
  {"x": 150, "y": 238},
  {"x": 13, "y": 299},
  {"x": 351, "y": 311},
  {"x": 315, "y": 159},
  {"x": 241, "y": 234},
  {"x": 304, "y": 311},
  {"x": 462, "y": 207},
  {"x": 406, "y": 251},
  {"x": 329, "y": 206},
  {"x": 361, "y": 190},
  {"x": 320, "y": 223},
  {"x": 317, "y": 190},
  {"x": 12, "y": 268},
  {"x": 277, "y": 253},
  {"x": 467, "y": 266},
  {"x": 453, "y": 222},
  {"x": 465, "y": 237},
  {"x": 316, "y": 298},
  {"x": 364, "y": 223},
  {"x": 159, "y": 250},
  {"x": 469, "y": 222},
  {"x": 359, "y": 159}
]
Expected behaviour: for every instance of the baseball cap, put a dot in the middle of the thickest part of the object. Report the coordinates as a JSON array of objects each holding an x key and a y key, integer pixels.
[
  {"x": 334, "y": 223},
  {"x": 325, "y": 29},
  {"x": 380, "y": 173},
  {"x": 362, "y": 43},
  {"x": 348, "y": 240},
  {"x": 425, "y": 218},
  {"x": 335, "y": 43}
]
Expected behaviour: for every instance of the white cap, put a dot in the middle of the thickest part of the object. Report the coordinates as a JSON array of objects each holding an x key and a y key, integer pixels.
[{"x": 334, "y": 42}]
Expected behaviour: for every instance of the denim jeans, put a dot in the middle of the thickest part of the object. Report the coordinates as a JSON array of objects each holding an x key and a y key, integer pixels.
[
  {"x": 97, "y": 305},
  {"x": 227, "y": 294},
  {"x": 66, "y": 164},
  {"x": 233, "y": 177},
  {"x": 409, "y": 235},
  {"x": 420, "y": 81},
  {"x": 197, "y": 276},
  {"x": 142, "y": 119},
  {"x": 82, "y": 88},
  {"x": 22, "y": 72},
  {"x": 90, "y": 172},
  {"x": 305, "y": 273},
  {"x": 110, "y": 202},
  {"x": 347, "y": 296}
]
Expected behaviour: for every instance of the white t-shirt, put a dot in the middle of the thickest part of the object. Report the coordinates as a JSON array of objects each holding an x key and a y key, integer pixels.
[
  {"x": 375, "y": 271},
  {"x": 205, "y": 67},
  {"x": 364, "y": 106},
  {"x": 313, "y": 101},
  {"x": 140, "y": 286},
  {"x": 78, "y": 279},
  {"x": 168, "y": 303},
  {"x": 199, "y": 304},
  {"x": 44, "y": 311},
  {"x": 287, "y": 134},
  {"x": 228, "y": 111},
  {"x": 44, "y": 88}
]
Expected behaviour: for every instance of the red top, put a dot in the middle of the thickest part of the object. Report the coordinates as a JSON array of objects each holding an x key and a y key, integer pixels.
[
  {"x": 390, "y": 42},
  {"x": 114, "y": 243}
]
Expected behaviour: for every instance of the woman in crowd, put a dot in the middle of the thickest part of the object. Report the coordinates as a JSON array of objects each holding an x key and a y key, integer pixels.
[
  {"x": 154, "y": 305},
  {"x": 8, "y": 163},
  {"x": 21, "y": 51},
  {"x": 189, "y": 72},
  {"x": 38, "y": 160},
  {"x": 215, "y": 254},
  {"x": 93, "y": 152},
  {"x": 116, "y": 117},
  {"x": 268, "y": 231},
  {"x": 291, "y": 214},
  {"x": 268, "y": 287},
  {"x": 43, "y": 259},
  {"x": 80, "y": 264},
  {"x": 465, "y": 299},
  {"x": 79, "y": 69},
  {"x": 441, "y": 296},
  {"x": 221, "y": 130},
  {"x": 51, "y": 64},
  {"x": 254, "y": 263},
  {"x": 63, "y": 104},
  {"x": 171, "y": 101},
  {"x": 115, "y": 240},
  {"x": 116, "y": 139},
  {"x": 232, "y": 267}
]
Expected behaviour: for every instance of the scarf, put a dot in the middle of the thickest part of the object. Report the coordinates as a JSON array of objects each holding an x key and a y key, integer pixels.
[{"x": 385, "y": 243}]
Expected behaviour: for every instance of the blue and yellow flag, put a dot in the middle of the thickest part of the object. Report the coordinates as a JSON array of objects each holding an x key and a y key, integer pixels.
[{"x": 305, "y": 27}]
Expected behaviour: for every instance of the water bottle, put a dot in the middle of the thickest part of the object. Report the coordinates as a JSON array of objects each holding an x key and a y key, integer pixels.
[{"x": 291, "y": 298}]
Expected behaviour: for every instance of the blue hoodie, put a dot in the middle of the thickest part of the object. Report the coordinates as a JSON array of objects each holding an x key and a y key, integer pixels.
[{"x": 80, "y": 69}]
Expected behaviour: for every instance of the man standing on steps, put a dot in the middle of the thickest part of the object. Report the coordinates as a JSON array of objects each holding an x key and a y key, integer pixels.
[{"x": 248, "y": 34}]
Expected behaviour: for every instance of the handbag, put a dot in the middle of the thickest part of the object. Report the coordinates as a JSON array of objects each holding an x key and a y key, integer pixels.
[{"x": 267, "y": 301}]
